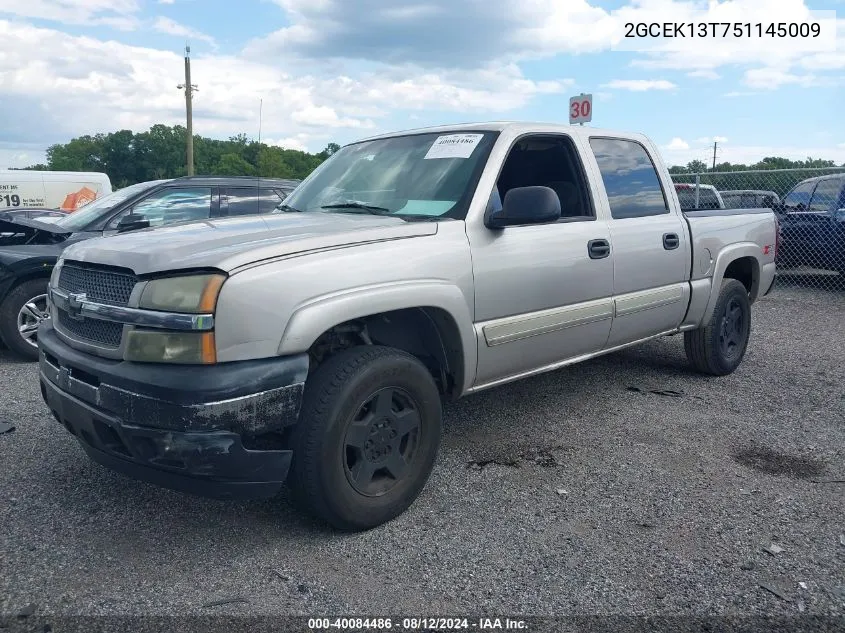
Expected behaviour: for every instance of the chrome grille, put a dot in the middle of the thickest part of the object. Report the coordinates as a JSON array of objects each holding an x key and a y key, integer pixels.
[
  {"x": 103, "y": 333},
  {"x": 100, "y": 285}
]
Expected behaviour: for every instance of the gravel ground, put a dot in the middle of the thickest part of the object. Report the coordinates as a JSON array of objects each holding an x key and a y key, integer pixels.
[{"x": 626, "y": 486}]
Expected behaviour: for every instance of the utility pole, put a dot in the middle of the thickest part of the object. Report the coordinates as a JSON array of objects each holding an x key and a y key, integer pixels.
[
  {"x": 260, "y": 108},
  {"x": 715, "y": 143},
  {"x": 190, "y": 89}
]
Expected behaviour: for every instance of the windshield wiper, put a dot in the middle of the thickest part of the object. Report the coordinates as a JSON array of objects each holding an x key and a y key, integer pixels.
[
  {"x": 352, "y": 204},
  {"x": 286, "y": 208}
]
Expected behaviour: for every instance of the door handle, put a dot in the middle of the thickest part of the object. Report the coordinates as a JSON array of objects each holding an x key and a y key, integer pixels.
[
  {"x": 671, "y": 241},
  {"x": 598, "y": 249}
]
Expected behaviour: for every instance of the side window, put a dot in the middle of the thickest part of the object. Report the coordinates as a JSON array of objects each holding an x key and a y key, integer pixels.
[
  {"x": 269, "y": 200},
  {"x": 731, "y": 200},
  {"x": 749, "y": 201},
  {"x": 547, "y": 161},
  {"x": 243, "y": 200},
  {"x": 630, "y": 178},
  {"x": 799, "y": 198},
  {"x": 171, "y": 205},
  {"x": 826, "y": 195}
]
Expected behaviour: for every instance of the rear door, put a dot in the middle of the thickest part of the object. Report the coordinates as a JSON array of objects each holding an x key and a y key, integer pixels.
[
  {"x": 820, "y": 226},
  {"x": 649, "y": 241}
]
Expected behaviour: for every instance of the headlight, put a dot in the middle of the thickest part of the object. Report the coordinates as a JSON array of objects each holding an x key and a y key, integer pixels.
[
  {"x": 54, "y": 276},
  {"x": 189, "y": 348},
  {"x": 191, "y": 293}
]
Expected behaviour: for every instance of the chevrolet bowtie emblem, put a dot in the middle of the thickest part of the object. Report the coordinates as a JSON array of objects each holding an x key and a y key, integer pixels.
[{"x": 74, "y": 304}]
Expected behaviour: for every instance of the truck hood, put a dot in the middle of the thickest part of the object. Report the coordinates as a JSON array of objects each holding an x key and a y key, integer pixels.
[
  {"x": 15, "y": 229},
  {"x": 229, "y": 243}
]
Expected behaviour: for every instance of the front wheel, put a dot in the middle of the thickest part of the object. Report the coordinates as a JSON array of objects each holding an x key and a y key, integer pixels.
[
  {"x": 23, "y": 309},
  {"x": 367, "y": 437},
  {"x": 719, "y": 347}
]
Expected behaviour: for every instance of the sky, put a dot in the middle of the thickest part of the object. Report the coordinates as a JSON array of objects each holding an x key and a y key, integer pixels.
[{"x": 305, "y": 73}]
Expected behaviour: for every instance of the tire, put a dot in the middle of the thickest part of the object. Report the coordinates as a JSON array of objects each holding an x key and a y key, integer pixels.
[
  {"x": 356, "y": 414},
  {"x": 12, "y": 311},
  {"x": 718, "y": 348}
]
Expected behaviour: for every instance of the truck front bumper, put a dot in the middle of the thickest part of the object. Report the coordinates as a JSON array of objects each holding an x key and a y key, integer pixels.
[{"x": 180, "y": 427}]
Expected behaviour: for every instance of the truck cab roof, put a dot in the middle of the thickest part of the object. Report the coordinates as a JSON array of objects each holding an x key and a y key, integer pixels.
[{"x": 517, "y": 128}]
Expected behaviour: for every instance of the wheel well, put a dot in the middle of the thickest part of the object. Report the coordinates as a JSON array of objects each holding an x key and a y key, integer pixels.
[
  {"x": 428, "y": 333},
  {"x": 23, "y": 278},
  {"x": 746, "y": 271}
]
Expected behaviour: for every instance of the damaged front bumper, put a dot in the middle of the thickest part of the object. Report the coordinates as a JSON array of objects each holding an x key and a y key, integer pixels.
[{"x": 190, "y": 428}]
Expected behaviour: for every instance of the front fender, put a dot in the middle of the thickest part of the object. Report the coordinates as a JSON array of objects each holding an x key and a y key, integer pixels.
[
  {"x": 725, "y": 258},
  {"x": 319, "y": 314}
]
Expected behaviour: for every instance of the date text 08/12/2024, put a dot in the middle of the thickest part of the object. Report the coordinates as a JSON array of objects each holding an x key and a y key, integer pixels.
[{"x": 416, "y": 624}]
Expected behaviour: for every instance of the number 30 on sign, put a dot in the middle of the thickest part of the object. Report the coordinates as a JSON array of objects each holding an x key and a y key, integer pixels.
[{"x": 581, "y": 109}]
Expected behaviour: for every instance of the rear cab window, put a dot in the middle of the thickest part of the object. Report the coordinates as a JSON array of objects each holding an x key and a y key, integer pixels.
[
  {"x": 707, "y": 198},
  {"x": 630, "y": 178}
]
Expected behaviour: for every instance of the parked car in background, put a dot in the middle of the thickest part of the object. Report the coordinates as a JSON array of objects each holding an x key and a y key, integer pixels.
[
  {"x": 812, "y": 221},
  {"x": 29, "y": 246},
  {"x": 317, "y": 346},
  {"x": 698, "y": 197},
  {"x": 750, "y": 199},
  {"x": 65, "y": 190}
]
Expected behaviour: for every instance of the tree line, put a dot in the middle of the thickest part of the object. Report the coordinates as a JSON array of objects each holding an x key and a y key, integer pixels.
[
  {"x": 727, "y": 176},
  {"x": 129, "y": 157}
]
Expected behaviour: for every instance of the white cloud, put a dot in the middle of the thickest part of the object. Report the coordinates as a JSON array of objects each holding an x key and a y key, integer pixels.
[
  {"x": 739, "y": 93},
  {"x": 640, "y": 85},
  {"x": 57, "y": 86},
  {"x": 519, "y": 30},
  {"x": 676, "y": 144},
  {"x": 171, "y": 27},
  {"x": 166, "y": 1},
  {"x": 119, "y": 14},
  {"x": 773, "y": 77},
  {"x": 324, "y": 116},
  {"x": 750, "y": 154},
  {"x": 703, "y": 74}
]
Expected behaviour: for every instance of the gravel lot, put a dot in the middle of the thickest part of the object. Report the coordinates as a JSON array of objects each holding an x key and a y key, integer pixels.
[{"x": 578, "y": 492}]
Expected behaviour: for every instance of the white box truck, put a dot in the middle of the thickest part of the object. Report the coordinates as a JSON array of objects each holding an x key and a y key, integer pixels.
[{"x": 65, "y": 190}]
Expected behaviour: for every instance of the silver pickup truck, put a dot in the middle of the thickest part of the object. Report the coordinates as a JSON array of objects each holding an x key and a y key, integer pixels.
[{"x": 315, "y": 346}]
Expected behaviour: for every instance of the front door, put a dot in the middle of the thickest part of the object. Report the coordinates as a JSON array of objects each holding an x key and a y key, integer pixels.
[{"x": 542, "y": 292}]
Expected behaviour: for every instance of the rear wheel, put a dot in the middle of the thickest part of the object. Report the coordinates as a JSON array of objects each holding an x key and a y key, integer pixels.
[
  {"x": 367, "y": 437},
  {"x": 23, "y": 309},
  {"x": 719, "y": 347}
]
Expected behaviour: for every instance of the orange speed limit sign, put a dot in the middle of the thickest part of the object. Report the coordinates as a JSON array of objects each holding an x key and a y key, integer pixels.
[{"x": 581, "y": 109}]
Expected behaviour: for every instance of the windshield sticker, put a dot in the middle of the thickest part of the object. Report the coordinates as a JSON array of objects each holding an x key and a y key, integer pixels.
[{"x": 453, "y": 146}]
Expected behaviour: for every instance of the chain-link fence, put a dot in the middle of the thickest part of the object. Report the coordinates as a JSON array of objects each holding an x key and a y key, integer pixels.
[{"x": 808, "y": 203}]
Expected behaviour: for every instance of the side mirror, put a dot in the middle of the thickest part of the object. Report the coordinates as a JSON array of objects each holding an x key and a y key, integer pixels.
[
  {"x": 132, "y": 223},
  {"x": 525, "y": 205}
]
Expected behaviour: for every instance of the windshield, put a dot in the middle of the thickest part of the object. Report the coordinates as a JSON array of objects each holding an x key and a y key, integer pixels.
[
  {"x": 421, "y": 176},
  {"x": 94, "y": 211},
  {"x": 707, "y": 198}
]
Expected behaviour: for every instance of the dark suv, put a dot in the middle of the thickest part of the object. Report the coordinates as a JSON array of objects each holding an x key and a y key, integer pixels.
[
  {"x": 812, "y": 224},
  {"x": 30, "y": 246}
]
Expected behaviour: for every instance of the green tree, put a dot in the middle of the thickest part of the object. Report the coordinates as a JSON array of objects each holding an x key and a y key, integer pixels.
[
  {"x": 233, "y": 164},
  {"x": 696, "y": 166},
  {"x": 271, "y": 163}
]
